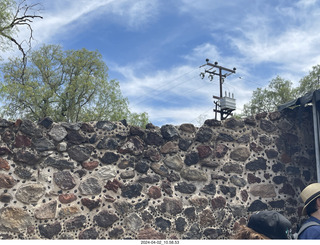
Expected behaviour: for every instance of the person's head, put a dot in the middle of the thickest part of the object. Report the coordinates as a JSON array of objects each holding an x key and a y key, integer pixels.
[
  {"x": 311, "y": 199},
  {"x": 271, "y": 224},
  {"x": 245, "y": 232}
]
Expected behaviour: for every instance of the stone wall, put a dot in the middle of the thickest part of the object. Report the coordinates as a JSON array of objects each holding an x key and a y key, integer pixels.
[{"x": 109, "y": 180}]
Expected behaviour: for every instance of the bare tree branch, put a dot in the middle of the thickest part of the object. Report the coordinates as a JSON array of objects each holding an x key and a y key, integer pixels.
[{"x": 22, "y": 18}]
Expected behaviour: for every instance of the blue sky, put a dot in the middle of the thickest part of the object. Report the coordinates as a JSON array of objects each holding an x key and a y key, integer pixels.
[{"x": 154, "y": 48}]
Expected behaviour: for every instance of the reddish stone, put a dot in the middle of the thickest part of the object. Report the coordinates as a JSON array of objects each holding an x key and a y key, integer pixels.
[
  {"x": 149, "y": 233},
  {"x": 204, "y": 151},
  {"x": 90, "y": 165},
  {"x": 253, "y": 179},
  {"x": 4, "y": 164},
  {"x": 90, "y": 204},
  {"x": 244, "y": 195},
  {"x": 6, "y": 181},
  {"x": 285, "y": 158},
  {"x": 113, "y": 185},
  {"x": 22, "y": 141},
  {"x": 18, "y": 123},
  {"x": 67, "y": 198},
  {"x": 154, "y": 192},
  {"x": 218, "y": 202}
]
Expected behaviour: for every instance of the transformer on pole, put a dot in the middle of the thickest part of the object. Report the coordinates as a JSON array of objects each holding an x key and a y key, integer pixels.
[{"x": 224, "y": 105}]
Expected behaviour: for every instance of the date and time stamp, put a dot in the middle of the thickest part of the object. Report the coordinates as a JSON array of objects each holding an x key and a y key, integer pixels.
[{"x": 159, "y": 242}]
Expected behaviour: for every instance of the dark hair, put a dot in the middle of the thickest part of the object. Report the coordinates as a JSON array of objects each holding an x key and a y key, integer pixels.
[{"x": 312, "y": 207}]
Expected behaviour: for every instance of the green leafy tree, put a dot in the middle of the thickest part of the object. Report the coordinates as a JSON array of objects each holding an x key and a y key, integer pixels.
[
  {"x": 67, "y": 86},
  {"x": 279, "y": 91},
  {"x": 310, "y": 82}
]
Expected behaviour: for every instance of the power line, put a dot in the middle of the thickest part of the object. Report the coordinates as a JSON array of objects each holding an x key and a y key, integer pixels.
[{"x": 158, "y": 91}]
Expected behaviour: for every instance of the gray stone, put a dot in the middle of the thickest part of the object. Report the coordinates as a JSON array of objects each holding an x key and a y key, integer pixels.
[
  {"x": 263, "y": 190},
  {"x": 160, "y": 169},
  {"x": 185, "y": 187},
  {"x": 105, "y": 219},
  {"x": 267, "y": 126},
  {"x": 171, "y": 206},
  {"x": 174, "y": 162},
  {"x": 88, "y": 234},
  {"x": 43, "y": 144},
  {"x": 75, "y": 137},
  {"x": 106, "y": 125},
  {"x": 187, "y": 127},
  {"x": 60, "y": 164},
  {"x": 154, "y": 139},
  {"x": 204, "y": 134},
  {"x": 109, "y": 158},
  {"x": 133, "y": 222},
  {"x": 23, "y": 173},
  {"x": 30, "y": 193},
  {"x": 150, "y": 179},
  {"x": 79, "y": 153},
  {"x": 163, "y": 224},
  {"x": 233, "y": 123},
  {"x": 14, "y": 219},
  {"x": 26, "y": 157},
  {"x": 271, "y": 153},
  {"x": 191, "y": 158},
  {"x": 244, "y": 138},
  {"x": 58, "y": 133},
  {"x": 212, "y": 233},
  {"x": 180, "y": 224},
  {"x": 240, "y": 154},
  {"x": 169, "y": 132},
  {"x": 75, "y": 223},
  {"x": 131, "y": 191},
  {"x": 62, "y": 146},
  {"x": 209, "y": 189},
  {"x": 30, "y": 129},
  {"x": 142, "y": 166},
  {"x": 238, "y": 181},
  {"x": 212, "y": 123},
  {"x": 184, "y": 144},
  {"x": 199, "y": 203},
  {"x": 225, "y": 137},
  {"x": 129, "y": 174},
  {"x": 64, "y": 180},
  {"x": 133, "y": 146},
  {"x": 122, "y": 207},
  {"x": 90, "y": 186},
  {"x": 50, "y": 230},
  {"x": 106, "y": 172},
  {"x": 169, "y": 147},
  {"x": 265, "y": 140},
  {"x": 193, "y": 174},
  {"x": 46, "y": 211},
  {"x": 257, "y": 205},
  {"x": 232, "y": 168},
  {"x": 107, "y": 143},
  {"x": 259, "y": 164},
  {"x": 194, "y": 232}
]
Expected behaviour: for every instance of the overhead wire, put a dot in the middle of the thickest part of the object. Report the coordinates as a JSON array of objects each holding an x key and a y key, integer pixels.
[{"x": 159, "y": 90}]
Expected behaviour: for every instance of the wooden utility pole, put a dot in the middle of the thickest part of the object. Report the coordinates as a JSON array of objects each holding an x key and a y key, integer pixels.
[{"x": 226, "y": 104}]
